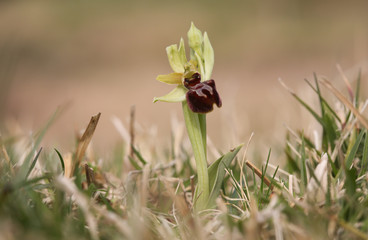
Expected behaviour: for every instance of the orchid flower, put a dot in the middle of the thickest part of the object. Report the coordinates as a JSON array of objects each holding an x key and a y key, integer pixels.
[
  {"x": 197, "y": 93},
  {"x": 192, "y": 77}
]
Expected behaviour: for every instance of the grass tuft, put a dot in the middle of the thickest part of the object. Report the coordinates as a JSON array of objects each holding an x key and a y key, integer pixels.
[{"x": 319, "y": 192}]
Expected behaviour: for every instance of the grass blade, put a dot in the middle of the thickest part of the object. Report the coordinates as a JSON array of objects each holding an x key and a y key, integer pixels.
[
  {"x": 357, "y": 90},
  {"x": 61, "y": 160},
  {"x": 315, "y": 115},
  {"x": 365, "y": 155},
  {"x": 303, "y": 172},
  {"x": 85, "y": 140},
  {"x": 322, "y": 100},
  {"x": 350, "y": 155},
  {"x": 264, "y": 171},
  {"x": 139, "y": 155},
  {"x": 33, "y": 163},
  {"x": 345, "y": 101},
  {"x": 39, "y": 136}
]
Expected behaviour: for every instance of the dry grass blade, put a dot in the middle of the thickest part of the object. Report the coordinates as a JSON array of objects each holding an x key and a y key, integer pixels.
[
  {"x": 81, "y": 200},
  {"x": 86, "y": 139},
  {"x": 351, "y": 229},
  {"x": 346, "y": 80},
  {"x": 345, "y": 101},
  {"x": 259, "y": 174},
  {"x": 6, "y": 155},
  {"x": 131, "y": 131},
  {"x": 90, "y": 175}
]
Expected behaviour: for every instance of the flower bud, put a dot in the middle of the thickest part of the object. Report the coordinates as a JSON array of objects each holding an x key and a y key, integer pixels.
[{"x": 195, "y": 39}]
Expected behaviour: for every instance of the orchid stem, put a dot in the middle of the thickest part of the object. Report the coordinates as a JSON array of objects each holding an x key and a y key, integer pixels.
[{"x": 196, "y": 128}]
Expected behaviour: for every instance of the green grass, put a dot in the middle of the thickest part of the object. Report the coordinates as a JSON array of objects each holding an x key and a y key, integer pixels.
[{"x": 319, "y": 193}]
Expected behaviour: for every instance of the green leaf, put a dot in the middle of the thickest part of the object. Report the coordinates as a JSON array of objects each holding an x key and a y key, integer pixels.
[
  {"x": 216, "y": 173},
  {"x": 176, "y": 95}
]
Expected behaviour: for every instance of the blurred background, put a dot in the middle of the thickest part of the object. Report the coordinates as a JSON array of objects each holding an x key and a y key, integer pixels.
[{"x": 103, "y": 56}]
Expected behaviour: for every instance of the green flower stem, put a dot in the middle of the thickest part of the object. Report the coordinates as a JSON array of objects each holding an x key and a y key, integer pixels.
[
  {"x": 196, "y": 127},
  {"x": 203, "y": 126}
]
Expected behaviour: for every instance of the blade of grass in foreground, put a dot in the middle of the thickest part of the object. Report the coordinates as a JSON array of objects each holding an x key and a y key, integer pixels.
[
  {"x": 264, "y": 171},
  {"x": 315, "y": 115},
  {"x": 345, "y": 101},
  {"x": 22, "y": 173},
  {"x": 357, "y": 90},
  {"x": 85, "y": 140},
  {"x": 61, "y": 160},
  {"x": 351, "y": 155},
  {"x": 322, "y": 100},
  {"x": 33, "y": 163},
  {"x": 303, "y": 172},
  {"x": 365, "y": 155}
]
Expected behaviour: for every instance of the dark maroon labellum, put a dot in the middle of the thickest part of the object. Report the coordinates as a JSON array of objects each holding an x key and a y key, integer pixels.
[{"x": 201, "y": 95}]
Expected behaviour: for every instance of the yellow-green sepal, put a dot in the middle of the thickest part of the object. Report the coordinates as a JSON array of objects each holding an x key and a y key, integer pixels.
[
  {"x": 182, "y": 53},
  {"x": 176, "y": 95},
  {"x": 174, "y": 58},
  {"x": 208, "y": 56},
  {"x": 172, "y": 78}
]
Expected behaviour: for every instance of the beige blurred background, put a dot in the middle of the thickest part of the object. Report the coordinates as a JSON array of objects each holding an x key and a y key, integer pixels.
[{"x": 104, "y": 56}]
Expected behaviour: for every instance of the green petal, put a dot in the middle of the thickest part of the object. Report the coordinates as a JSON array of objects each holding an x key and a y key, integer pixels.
[
  {"x": 172, "y": 78},
  {"x": 208, "y": 57},
  {"x": 174, "y": 58},
  {"x": 200, "y": 66},
  {"x": 176, "y": 95}
]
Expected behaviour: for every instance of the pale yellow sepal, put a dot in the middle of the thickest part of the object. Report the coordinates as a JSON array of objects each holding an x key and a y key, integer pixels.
[
  {"x": 172, "y": 78},
  {"x": 176, "y": 95},
  {"x": 174, "y": 58}
]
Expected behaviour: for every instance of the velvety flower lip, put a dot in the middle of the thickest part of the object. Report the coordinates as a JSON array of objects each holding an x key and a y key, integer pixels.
[
  {"x": 192, "y": 81},
  {"x": 201, "y": 95}
]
